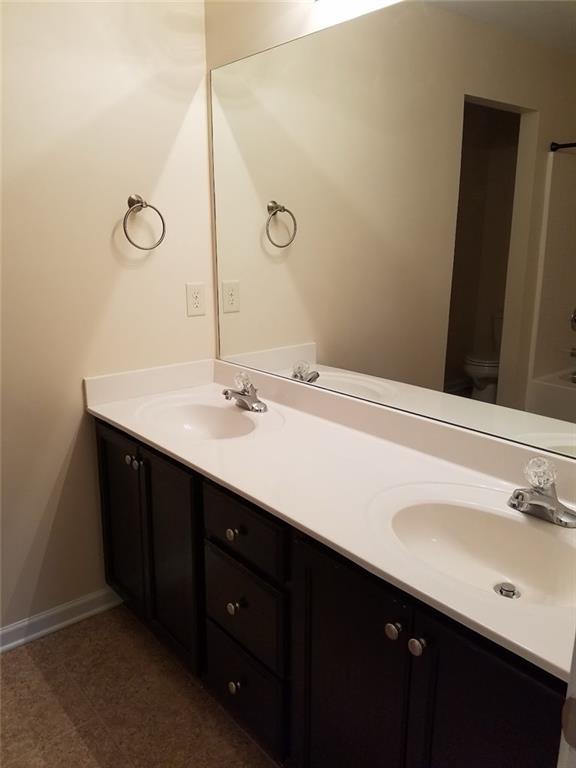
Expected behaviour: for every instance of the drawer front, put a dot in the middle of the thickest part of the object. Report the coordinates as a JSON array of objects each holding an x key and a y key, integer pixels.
[
  {"x": 250, "y": 693},
  {"x": 245, "y": 532},
  {"x": 245, "y": 606}
]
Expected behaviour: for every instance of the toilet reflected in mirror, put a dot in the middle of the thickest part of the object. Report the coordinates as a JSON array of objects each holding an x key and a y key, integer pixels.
[{"x": 484, "y": 376}]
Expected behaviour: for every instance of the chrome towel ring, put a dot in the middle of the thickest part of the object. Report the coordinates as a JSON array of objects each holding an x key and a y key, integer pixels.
[
  {"x": 136, "y": 204},
  {"x": 273, "y": 208}
]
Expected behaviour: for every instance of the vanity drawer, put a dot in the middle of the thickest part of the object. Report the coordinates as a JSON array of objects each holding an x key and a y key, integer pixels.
[
  {"x": 254, "y": 696},
  {"x": 248, "y": 608},
  {"x": 243, "y": 530}
]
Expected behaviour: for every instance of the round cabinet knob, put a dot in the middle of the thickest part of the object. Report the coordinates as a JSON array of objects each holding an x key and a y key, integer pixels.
[
  {"x": 416, "y": 646},
  {"x": 232, "y": 534},
  {"x": 393, "y": 630},
  {"x": 232, "y": 608},
  {"x": 233, "y": 688},
  {"x": 135, "y": 464},
  {"x": 128, "y": 459}
]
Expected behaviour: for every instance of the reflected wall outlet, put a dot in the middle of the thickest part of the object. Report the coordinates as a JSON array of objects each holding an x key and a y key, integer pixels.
[
  {"x": 195, "y": 301},
  {"x": 230, "y": 296}
]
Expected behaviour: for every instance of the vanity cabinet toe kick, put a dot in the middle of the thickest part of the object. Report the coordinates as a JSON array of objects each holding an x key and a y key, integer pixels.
[{"x": 323, "y": 663}]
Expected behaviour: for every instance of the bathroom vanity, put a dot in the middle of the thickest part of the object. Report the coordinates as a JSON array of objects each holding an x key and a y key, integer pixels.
[{"x": 324, "y": 662}]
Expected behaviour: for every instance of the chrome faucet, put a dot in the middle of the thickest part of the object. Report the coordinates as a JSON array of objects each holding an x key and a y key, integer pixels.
[
  {"x": 541, "y": 499},
  {"x": 245, "y": 394},
  {"x": 301, "y": 372}
]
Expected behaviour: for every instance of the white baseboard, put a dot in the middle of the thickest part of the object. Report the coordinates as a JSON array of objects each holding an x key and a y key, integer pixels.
[{"x": 46, "y": 622}]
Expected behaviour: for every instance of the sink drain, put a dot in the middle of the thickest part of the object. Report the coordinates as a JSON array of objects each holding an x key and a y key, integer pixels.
[{"x": 507, "y": 590}]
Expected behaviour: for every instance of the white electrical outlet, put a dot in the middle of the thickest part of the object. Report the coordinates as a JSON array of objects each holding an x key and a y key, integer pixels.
[
  {"x": 195, "y": 299},
  {"x": 230, "y": 296}
]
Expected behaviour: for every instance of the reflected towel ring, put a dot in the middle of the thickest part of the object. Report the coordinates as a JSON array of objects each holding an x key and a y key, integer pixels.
[
  {"x": 136, "y": 204},
  {"x": 273, "y": 208}
]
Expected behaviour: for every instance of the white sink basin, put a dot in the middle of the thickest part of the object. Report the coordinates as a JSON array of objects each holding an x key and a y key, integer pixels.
[
  {"x": 349, "y": 384},
  {"x": 184, "y": 414},
  {"x": 471, "y": 536}
]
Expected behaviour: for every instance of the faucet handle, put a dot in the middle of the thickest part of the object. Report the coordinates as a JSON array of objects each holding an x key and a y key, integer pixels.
[
  {"x": 540, "y": 473},
  {"x": 242, "y": 382},
  {"x": 300, "y": 369}
]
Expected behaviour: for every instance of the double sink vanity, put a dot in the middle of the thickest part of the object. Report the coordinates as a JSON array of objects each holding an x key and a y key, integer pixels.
[{"x": 349, "y": 581}]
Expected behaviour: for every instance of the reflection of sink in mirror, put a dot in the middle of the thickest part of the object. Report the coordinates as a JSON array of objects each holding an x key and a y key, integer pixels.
[
  {"x": 183, "y": 414},
  {"x": 470, "y": 535},
  {"x": 353, "y": 384}
]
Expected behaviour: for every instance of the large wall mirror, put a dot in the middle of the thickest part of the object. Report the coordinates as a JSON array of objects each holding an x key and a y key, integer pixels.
[{"x": 391, "y": 221}]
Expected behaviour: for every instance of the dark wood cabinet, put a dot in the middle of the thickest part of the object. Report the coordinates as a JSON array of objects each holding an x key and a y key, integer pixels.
[
  {"x": 152, "y": 525},
  {"x": 249, "y": 691},
  {"x": 307, "y": 650},
  {"x": 247, "y": 630},
  {"x": 123, "y": 527},
  {"x": 475, "y": 705},
  {"x": 350, "y": 682},
  {"x": 360, "y": 699},
  {"x": 247, "y": 607},
  {"x": 246, "y": 532},
  {"x": 174, "y": 535}
]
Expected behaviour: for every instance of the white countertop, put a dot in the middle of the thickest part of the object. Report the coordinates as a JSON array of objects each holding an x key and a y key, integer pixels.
[
  {"x": 323, "y": 477},
  {"x": 554, "y": 395}
]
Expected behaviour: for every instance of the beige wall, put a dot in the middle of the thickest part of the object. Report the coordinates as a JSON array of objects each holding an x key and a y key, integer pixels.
[
  {"x": 239, "y": 28},
  {"x": 358, "y": 129},
  {"x": 100, "y": 100}
]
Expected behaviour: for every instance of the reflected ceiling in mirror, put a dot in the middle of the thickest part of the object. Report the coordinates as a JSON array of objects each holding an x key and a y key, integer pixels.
[{"x": 389, "y": 212}]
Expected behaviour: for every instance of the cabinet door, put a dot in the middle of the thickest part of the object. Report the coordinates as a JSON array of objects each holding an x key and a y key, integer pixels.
[
  {"x": 173, "y": 517},
  {"x": 123, "y": 529},
  {"x": 475, "y": 705},
  {"x": 350, "y": 682}
]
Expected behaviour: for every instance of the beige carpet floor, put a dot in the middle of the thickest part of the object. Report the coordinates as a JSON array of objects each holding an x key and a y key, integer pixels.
[{"x": 104, "y": 693}]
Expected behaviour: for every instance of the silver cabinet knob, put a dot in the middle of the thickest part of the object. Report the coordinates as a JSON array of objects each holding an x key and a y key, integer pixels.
[
  {"x": 233, "y": 687},
  {"x": 128, "y": 459},
  {"x": 232, "y": 608},
  {"x": 416, "y": 646},
  {"x": 393, "y": 630},
  {"x": 232, "y": 534},
  {"x": 135, "y": 464}
]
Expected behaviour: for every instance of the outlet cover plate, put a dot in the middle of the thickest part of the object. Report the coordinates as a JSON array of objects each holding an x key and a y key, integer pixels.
[
  {"x": 230, "y": 296},
  {"x": 195, "y": 299}
]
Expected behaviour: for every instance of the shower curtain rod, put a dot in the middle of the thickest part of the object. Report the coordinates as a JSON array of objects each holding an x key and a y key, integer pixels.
[{"x": 554, "y": 147}]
